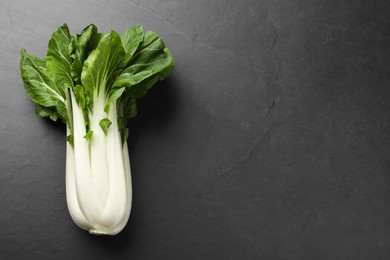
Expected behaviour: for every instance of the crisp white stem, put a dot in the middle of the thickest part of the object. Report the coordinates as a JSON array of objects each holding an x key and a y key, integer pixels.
[
  {"x": 87, "y": 198},
  {"x": 98, "y": 150},
  {"x": 129, "y": 191},
  {"x": 98, "y": 176},
  {"x": 71, "y": 194},
  {"x": 115, "y": 208}
]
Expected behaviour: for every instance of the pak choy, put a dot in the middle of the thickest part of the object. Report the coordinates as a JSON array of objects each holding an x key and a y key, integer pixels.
[{"x": 91, "y": 82}]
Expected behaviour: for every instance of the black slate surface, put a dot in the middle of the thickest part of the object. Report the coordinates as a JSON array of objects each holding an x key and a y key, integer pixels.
[{"x": 271, "y": 139}]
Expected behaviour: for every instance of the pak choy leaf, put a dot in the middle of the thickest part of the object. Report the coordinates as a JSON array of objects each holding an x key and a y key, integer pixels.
[
  {"x": 128, "y": 80},
  {"x": 88, "y": 135},
  {"x": 58, "y": 60},
  {"x": 41, "y": 89},
  {"x": 151, "y": 55},
  {"x": 151, "y": 62},
  {"x": 105, "y": 124},
  {"x": 103, "y": 64},
  {"x": 50, "y": 112},
  {"x": 80, "y": 47},
  {"x": 53, "y": 113},
  {"x": 81, "y": 96},
  {"x": 131, "y": 39},
  {"x": 139, "y": 90},
  {"x": 129, "y": 107}
]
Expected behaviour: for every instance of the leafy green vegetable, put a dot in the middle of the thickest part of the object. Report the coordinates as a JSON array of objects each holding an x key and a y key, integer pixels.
[
  {"x": 91, "y": 82},
  {"x": 90, "y": 62}
]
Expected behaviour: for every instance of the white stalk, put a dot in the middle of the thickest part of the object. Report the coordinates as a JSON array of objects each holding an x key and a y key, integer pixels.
[
  {"x": 98, "y": 150},
  {"x": 87, "y": 198},
  {"x": 71, "y": 194},
  {"x": 129, "y": 190},
  {"x": 98, "y": 183},
  {"x": 115, "y": 208}
]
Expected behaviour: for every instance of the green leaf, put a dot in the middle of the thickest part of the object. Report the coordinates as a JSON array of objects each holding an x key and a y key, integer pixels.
[
  {"x": 80, "y": 47},
  {"x": 39, "y": 87},
  {"x": 152, "y": 62},
  {"x": 129, "y": 79},
  {"x": 127, "y": 107},
  {"x": 139, "y": 90},
  {"x": 82, "y": 98},
  {"x": 131, "y": 40},
  {"x": 130, "y": 108},
  {"x": 124, "y": 81},
  {"x": 70, "y": 139},
  {"x": 88, "y": 135},
  {"x": 105, "y": 124},
  {"x": 103, "y": 64},
  {"x": 46, "y": 112},
  {"x": 124, "y": 134},
  {"x": 114, "y": 95},
  {"x": 58, "y": 59},
  {"x": 168, "y": 69},
  {"x": 151, "y": 55},
  {"x": 62, "y": 111}
]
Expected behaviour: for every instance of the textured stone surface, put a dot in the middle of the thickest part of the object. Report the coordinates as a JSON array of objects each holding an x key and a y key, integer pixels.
[{"x": 271, "y": 140}]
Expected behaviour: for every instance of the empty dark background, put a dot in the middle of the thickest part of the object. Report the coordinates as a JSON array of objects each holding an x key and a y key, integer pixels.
[{"x": 271, "y": 139}]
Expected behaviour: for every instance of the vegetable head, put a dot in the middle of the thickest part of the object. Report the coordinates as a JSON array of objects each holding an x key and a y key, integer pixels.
[{"x": 91, "y": 81}]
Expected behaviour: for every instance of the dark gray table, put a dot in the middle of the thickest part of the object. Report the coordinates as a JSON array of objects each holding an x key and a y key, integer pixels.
[{"x": 271, "y": 139}]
